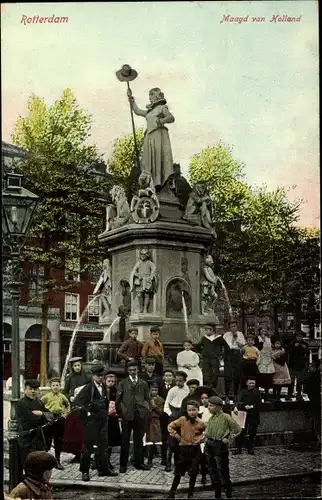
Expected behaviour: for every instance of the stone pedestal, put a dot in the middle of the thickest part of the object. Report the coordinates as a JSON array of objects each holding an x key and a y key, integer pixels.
[{"x": 177, "y": 250}]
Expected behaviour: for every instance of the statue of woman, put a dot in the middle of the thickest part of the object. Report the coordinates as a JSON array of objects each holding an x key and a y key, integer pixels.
[
  {"x": 104, "y": 288},
  {"x": 156, "y": 153}
]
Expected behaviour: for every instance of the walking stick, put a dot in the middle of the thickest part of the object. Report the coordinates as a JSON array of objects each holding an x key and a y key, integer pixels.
[{"x": 127, "y": 74}]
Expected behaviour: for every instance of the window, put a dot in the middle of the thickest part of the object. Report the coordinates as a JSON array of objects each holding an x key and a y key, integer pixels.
[
  {"x": 72, "y": 269},
  {"x": 93, "y": 309},
  {"x": 7, "y": 346},
  {"x": 36, "y": 281},
  {"x": 71, "y": 306}
]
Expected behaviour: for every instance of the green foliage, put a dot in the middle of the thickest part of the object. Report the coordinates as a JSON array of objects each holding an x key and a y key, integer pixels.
[
  {"x": 123, "y": 155},
  {"x": 71, "y": 211},
  {"x": 224, "y": 176},
  {"x": 270, "y": 259}
]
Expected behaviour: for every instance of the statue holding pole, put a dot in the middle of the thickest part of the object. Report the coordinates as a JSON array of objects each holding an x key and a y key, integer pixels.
[{"x": 157, "y": 153}]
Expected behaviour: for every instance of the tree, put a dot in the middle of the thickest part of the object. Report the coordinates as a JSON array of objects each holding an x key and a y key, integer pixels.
[
  {"x": 256, "y": 261},
  {"x": 71, "y": 211},
  {"x": 122, "y": 163}
]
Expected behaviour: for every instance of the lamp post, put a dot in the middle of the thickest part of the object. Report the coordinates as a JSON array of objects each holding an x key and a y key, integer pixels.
[{"x": 18, "y": 205}]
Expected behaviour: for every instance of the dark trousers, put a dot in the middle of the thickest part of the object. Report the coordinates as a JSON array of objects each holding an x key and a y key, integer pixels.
[
  {"x": 203, "y": 465},
  {"x": 250, "y": 430},
  {"x": 299, "y": 375},
  {"x": 159, "y": 367},
  {"x": 137, "y": 426},
  {"x": 55, "y": 432},
  {"x": 210, "y": 369},
  {"x": 164, "y": 421},
  {"x": 95, "y": 442},
  {"x": 217, "y": 458}
]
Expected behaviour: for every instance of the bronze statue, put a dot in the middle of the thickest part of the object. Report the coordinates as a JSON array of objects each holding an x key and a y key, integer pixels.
[
  {"x": 143, "y": 282},
  {"x": 157, "y": 152}
]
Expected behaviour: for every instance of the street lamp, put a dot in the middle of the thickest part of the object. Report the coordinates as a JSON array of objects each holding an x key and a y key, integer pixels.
[{"x": 18, "y": 206}]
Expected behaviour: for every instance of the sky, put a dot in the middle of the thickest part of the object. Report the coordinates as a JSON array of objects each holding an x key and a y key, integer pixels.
[{"x": 252, "y": 85}]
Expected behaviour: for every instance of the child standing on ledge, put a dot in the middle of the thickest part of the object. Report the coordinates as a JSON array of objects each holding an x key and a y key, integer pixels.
[
  {"x": 188, "y": 362},
  {"x": 153, "y": 348},
  {"x": 250, "y": 359}
]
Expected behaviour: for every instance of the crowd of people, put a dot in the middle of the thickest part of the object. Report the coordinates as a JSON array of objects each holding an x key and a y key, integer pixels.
[{"x": 177, "y": 414}]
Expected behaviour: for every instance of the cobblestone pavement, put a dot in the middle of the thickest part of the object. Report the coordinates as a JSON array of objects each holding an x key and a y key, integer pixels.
[
  {"x": 279, "y": 488},
  {"x": 268, "y": 462}
]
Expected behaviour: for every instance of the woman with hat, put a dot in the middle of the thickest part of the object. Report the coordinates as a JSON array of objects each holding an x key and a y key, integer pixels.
[
  {"x": 35, "y": 485},
  {"x": 93, "y": 403},
  {"x": 113, "y": 426},
  {"x": 157, "y": 153},
  {"x": 74, "y": 431}
]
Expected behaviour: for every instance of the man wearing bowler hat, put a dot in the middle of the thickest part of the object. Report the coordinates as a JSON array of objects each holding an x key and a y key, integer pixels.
[
  {"x": 30, "y": 415},
  {"x": 220, "y": 428},
  {"x": 94, "y": 403}
]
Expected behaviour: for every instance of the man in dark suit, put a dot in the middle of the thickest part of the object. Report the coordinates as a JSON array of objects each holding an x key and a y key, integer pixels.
[
  {"x": 132, "y": 404},
  {"x": 93, "y": 402},
  {"x": 30, "y": 415}
]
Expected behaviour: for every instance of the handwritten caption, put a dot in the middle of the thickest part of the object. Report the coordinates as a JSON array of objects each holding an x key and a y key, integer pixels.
[{"x": 276, "y": 18}]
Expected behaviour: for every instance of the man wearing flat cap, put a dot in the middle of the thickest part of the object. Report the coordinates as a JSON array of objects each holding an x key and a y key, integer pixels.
[
  {"x": 30, "y": 415},
  {"x": 149, "y": 374},
  {"x": 94, "y": 403},
  {"x": 220, "y": 428}
]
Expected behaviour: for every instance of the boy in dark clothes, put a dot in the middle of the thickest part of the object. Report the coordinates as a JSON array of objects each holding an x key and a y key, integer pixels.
[
  {"x": 298, "y": 362},
  {"x": 193, "y": 384},
  {"x": 149, "y": 374},
  {"x": 167, "y": 383},
  {"x": 312, "y": 388},
  {"x": 131, "y": 348},
  {"x": 213, "y": 349},
  {"x": 250, "y": 401}
]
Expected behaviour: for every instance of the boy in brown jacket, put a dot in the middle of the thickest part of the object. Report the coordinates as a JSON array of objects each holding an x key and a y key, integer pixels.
[
  {"x": 131, "y": 348},
  {"x": 153, "y": 348},
  {"x": 188, "y": 430}
]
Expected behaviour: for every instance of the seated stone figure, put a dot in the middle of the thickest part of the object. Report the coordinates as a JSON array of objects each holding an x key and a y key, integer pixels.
[
  {"x": 179, "y": 185},
  {"x": 198, "y": 209},
  {"x": 119, "y": 213}
]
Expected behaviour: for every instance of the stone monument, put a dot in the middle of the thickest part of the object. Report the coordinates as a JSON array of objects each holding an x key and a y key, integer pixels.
[{"x": 157, "y": 243}]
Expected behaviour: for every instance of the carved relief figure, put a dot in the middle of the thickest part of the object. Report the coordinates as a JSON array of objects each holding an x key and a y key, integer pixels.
[
  {"x": 174, "y": 305},
  {"x": 119, "y": 213},
  {"x": 198, "y": 209},
  {"x": 104, "y": 288},
  {"x": 143, "y": 282},
  {"x": 209, "y": 285},
  {"x": 145, "y": 205},
  {"x": 156, "y": 152}
]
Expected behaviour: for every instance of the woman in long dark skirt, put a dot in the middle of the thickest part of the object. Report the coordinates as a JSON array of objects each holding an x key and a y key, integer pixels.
[
  {"x": 113, "y": 426},
  {"x": 74, "y": 430}
]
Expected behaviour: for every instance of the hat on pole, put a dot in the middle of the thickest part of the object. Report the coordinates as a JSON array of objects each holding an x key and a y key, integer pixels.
[{"x": 126, "y": 73}]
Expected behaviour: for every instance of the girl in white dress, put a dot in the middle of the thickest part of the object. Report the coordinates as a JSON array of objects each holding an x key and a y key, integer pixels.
[{"x": 188, "y": 362}]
